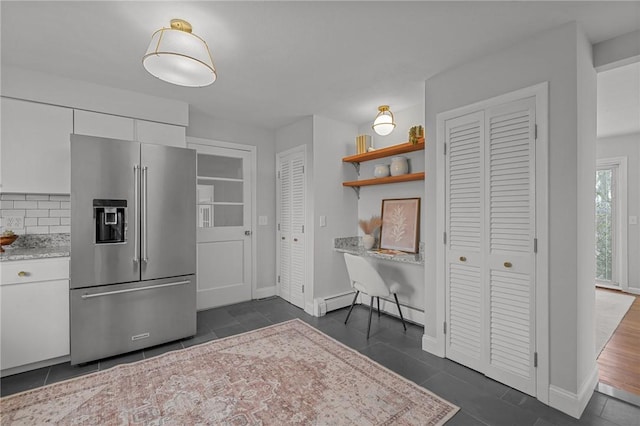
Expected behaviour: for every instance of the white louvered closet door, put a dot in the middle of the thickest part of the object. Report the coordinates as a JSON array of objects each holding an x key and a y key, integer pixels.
[
  {"x": 464, "y": 234},
  {"x": 510, "y": 225},
  {"x": 291, "y": 218},
  {"x": 297, "y": 230}
]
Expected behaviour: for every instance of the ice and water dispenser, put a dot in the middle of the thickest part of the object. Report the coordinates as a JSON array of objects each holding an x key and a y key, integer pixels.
[{"x": 110, "y": 218}]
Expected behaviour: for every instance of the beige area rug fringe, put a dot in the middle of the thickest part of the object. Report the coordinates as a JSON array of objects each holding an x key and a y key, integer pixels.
[{"x": 282, "y": 374}]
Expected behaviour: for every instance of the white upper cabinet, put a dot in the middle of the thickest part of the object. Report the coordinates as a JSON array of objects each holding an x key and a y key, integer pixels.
[
  {"x": 103, "y": 125},
  {"x": 160, "y": 133},
  {"x": 116, "y": 127},
  {"x": 34, "y": 152}
]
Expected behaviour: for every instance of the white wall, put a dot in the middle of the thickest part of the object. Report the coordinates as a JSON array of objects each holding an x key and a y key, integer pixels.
[
  {"x": 586, "y": 172},
  {"x": 292, "y": 136},
  {"x": 411, "y": 277},
  {"x": 628, "y": 146},
  {"x": 616, "y": 52},
  {"x": 332, "y": 140},
  {"x": 208, "y": 127},
  {"x": 556, "y": 56}
]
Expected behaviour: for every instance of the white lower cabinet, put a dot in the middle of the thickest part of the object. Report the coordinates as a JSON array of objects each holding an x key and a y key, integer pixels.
[{"x": 34, "y": 299}]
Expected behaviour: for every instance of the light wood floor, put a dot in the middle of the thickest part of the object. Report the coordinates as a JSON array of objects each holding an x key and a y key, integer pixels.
[{"x": 619, "y": 362}]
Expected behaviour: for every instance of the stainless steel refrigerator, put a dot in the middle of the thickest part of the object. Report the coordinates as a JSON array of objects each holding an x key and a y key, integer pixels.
[{"x": 133, "y": 246}]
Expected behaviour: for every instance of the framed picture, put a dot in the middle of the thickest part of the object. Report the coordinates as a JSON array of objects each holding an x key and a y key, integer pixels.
[{"x": 400, "y": 224}]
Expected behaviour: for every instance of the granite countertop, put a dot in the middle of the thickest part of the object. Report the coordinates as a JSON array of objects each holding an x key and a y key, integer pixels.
[
  {"x": 353, "y": 245},
  {"x": 37, "y": 246}
]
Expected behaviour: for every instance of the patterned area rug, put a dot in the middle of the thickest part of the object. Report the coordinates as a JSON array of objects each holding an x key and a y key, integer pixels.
[{"x": 283, "y": 374}]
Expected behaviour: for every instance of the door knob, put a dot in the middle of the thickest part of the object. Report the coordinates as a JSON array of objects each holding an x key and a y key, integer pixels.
[
  {"x": 507, "y": 264},
  {"x": 295, "y": 240},
  {"x": 283, "y": 238},
  {"x": 247, "y": 232},
  {"x": 463, "y": 259}
]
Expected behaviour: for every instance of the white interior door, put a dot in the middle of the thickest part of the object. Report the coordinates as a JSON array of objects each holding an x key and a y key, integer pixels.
[
  {"x": 291, "y": 218},
  {"x": 510, "y": 225},
  {"x": 490, "y": 233},
  {"x": 465, "y": 234},
  {"x": 224, "y": 218}
]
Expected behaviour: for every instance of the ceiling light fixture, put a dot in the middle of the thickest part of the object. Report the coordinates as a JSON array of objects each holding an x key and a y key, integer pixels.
[
  {"x": 177, "y": 56},
  {"x": 384, "y": 122}
]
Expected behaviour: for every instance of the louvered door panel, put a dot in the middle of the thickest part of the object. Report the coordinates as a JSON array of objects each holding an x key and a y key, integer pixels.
[
  {"x": 510, "y": 221},
  {"x": 464, "y": 216},
  {"x": 297, "y": 230},
  {"x": 284, "y": 222}
]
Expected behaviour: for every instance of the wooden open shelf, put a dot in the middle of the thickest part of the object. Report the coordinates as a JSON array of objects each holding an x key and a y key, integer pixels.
[
  {"x": 389, "y": 179},
  {"x": 385, "y": 152}
]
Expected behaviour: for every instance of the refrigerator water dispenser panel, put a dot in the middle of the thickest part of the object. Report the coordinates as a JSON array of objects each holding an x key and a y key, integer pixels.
[{"x": 110, "y": 217}]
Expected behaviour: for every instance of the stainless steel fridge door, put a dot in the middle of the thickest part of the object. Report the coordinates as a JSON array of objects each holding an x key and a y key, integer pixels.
[
  {"x": 103, "y": 169},
  {"x": 168, "y": 245},
  {"x": 113, "y": 319}
]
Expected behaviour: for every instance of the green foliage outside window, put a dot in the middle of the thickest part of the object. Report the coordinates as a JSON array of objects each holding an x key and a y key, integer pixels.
[{"x": 604, "y": 225}]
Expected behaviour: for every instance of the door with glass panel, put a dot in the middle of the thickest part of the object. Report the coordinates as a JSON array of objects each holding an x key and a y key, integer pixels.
[{"x": 224, "y": 225}]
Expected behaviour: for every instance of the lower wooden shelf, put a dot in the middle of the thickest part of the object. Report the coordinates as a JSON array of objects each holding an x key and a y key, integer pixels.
[
  {"x": 356, "y": 184},
  {"x": 382, "y": 181}
]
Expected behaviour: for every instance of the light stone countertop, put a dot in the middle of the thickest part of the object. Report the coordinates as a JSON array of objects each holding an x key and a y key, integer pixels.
[
  {"x": 353, "y": 245},
  {"x": 37, "y": 246}
]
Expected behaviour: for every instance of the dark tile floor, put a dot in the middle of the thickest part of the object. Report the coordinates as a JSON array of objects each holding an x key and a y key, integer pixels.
[{"x": 482, "y": 400}]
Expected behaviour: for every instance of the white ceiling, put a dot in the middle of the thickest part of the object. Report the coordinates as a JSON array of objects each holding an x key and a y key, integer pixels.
[{"x": 278, "y": 61}]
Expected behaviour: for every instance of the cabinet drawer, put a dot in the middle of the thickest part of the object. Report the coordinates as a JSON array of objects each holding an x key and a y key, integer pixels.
[{"x": 26, "y": 271}]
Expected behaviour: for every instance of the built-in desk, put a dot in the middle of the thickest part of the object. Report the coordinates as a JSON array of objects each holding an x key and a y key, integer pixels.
[{"x": 353, "y": 245}]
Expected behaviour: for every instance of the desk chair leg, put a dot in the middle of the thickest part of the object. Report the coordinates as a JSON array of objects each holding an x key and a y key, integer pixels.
[
  {"x": 378, "y": 307},
  {"x": 400, "y": 311},
  {"x": 370, "y": 312},
  {"x": 351, "y": 308}
]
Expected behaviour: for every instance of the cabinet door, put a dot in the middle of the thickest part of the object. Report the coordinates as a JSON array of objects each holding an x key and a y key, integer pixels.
[
  {"x": 34, "y": 153},
  {"x": 35, "y": 322},
  {"x": 102, "y": 125},
  {"x": 160, "y": 133}
]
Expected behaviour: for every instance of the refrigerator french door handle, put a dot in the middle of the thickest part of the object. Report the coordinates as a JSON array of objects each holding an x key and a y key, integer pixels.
[
  {"x": 130, "y": 290},
  {"x": 145, "y": 257},
  {"x": 136, "y": 210}
]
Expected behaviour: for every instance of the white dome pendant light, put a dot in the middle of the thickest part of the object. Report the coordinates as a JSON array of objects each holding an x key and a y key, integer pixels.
[
  {"x": 177, "y": 56},
  {"x": 384, "y": 122}
]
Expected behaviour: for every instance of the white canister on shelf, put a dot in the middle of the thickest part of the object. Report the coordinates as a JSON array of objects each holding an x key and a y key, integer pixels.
[
  {"x": 399, "y": 166},
  {"x": 381, "y": 170}
]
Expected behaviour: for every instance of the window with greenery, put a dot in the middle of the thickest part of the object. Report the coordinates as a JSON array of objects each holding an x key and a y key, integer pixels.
[{"x": 604, "y": 224}]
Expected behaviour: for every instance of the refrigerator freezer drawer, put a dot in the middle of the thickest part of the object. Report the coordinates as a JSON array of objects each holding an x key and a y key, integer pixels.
[{"x": 114, "y": 319}]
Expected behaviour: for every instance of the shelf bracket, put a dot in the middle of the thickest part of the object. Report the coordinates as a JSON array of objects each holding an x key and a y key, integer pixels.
[
  {"x": 357, "y": 166},
  {"x": 357, "y": 189}
]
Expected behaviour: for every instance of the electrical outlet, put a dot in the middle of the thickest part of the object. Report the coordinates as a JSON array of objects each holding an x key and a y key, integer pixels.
[
  {"x": 323, "y": 221},
  {"x": 262, "y": 220},
  {"x": 13, "y": 222}
]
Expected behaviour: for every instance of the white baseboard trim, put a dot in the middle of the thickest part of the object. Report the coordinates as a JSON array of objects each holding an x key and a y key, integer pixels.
[
  {"x": 431, "y": 345},
  {"x": 633, "y": 290},
  {"x": 34, "y": 366},
  {"x": 331, "y": 303},
  {"x": 414, "y": 315},
  {"x": 571, "y": 403},
  {"x": 261, "y": 293},
  {"x": 309, "y": 308}
]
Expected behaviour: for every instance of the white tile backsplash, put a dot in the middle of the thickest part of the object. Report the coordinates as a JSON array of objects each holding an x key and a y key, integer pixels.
[
  {"x": 25, "y": 204},
  {"x": 36, "y": 197},
  {"x": 13, "y": 197},
  {"x": 42, "y": 213}
]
